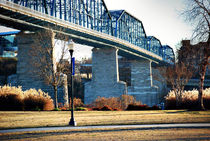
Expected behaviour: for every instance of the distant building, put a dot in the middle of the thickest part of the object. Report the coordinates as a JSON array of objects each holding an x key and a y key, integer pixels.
[
  {"x": 8, "y": 44},
  {"x": 195, "y": 49}
]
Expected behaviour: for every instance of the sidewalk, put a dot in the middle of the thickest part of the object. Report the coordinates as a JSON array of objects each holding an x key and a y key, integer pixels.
[{"x": 139, "y": 127}]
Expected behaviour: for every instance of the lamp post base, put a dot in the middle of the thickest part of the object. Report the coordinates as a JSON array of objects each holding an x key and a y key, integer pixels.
[{"x": 72, "y": 122}]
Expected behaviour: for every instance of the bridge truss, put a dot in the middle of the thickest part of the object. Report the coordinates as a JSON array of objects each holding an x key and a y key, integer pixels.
[{"x": 93, "y": 14}]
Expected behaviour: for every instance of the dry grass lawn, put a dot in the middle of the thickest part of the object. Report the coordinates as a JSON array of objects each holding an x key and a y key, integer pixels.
[{"x": 23, "y": 119}]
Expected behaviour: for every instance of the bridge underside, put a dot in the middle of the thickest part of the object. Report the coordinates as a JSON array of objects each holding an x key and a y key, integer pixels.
[
  {"x": 106, "y": 45},
  {"x": 24, "y": 20}
]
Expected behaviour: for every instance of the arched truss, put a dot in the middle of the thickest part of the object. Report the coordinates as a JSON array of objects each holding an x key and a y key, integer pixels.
[
  {"x": 154, "y": 45},
  {"x": 168, "y": 53},
  {"x": 91, "y": 14},
  {"x": 128, "y": 28}
]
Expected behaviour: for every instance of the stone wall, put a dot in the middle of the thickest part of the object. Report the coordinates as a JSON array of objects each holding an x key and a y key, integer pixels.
[
  {"x": 161, "y": 85},
  {"x": 142, "y": 82},
  {"x": 26, "y": 70},
  {"x": 105, "y": 76}
]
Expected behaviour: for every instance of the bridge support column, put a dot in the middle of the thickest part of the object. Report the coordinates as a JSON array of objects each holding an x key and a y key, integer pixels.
[
  {"x": 105, "y": 76},
  {"x": 26, "y": 76},
  {"x": 141, "y": 82},
  {"x": 161, "y": 85}
]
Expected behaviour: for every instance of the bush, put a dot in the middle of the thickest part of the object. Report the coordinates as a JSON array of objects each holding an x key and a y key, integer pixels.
[
  {"x": 125, "y": 100},
  {"x": 95, "y": 109},
  {"x": 77, "y": 102},
  {"x": 10, "y": 102},
  {"x": 106, "y": 108},
  {"x": 13, "y": 98},
  {"x": 37, "y": 100},
  {"x": 81, "y": 109},
  {"x": 132, "y": 107},
  {"x": 117, "y": 103},
  {"x": 155, "y": 107},
  {"x": 189, "y": 100},
  {"x": 56, "y": 109}
]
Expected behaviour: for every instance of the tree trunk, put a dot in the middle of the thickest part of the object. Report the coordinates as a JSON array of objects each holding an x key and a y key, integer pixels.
[
  {"x": 178, "y": 100},
  {"x": 5, "y": 79},
  {"x": 202, "y": 78},
  {"x": 56, "y": 96},
  {"x": 88, "y": 76}
]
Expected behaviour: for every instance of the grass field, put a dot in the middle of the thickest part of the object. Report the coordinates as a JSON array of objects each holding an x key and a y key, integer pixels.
[{"x": 61, "y": 118}]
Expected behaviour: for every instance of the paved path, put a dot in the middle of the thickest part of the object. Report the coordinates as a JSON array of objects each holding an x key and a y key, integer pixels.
[{"x": 151, "y": 126}]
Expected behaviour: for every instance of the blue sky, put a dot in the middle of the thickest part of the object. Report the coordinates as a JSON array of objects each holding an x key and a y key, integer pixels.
[{"x": 161, "y": 18}]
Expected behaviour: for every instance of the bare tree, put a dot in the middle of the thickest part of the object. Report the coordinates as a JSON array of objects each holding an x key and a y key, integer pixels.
[
  {"x": 48, "y": 63},
  {"x": 196, "y": 56},
  {"x": 198, "y": 13},
  {"x": 177, "y": 76}
]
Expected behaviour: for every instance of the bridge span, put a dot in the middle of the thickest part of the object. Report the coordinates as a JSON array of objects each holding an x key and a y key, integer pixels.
[{"x": 111, "y": 33}]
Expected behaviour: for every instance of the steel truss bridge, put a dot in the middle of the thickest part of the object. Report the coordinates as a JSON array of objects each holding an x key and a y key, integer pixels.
[{"x": 87, "y": 22}]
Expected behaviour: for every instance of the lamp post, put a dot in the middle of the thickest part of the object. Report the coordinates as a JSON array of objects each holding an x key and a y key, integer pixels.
[{"x": 71, "y": 50}]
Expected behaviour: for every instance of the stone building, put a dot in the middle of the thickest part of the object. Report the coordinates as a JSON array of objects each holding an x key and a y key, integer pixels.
[{"x": 194, "y": 59}]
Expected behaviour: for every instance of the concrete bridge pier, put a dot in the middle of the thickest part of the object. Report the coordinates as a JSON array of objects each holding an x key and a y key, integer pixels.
[
  {"x": 105, "y": 75},
  {"x": 142, "y": 82},
  {"x": 26, "y": 76},
  {"x": 159, "y": 83}
]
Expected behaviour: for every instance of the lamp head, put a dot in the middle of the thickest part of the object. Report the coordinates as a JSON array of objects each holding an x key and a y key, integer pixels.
[{"x": 71, "y": 45}]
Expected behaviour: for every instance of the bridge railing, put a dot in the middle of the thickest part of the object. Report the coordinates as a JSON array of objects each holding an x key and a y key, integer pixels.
[{"x": 91, "y": 14}]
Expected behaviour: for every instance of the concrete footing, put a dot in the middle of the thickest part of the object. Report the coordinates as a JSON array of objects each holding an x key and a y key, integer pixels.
[{"x": 142, "y": 82}]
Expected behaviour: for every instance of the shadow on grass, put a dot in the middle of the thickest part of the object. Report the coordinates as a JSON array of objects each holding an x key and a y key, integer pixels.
[
  {"x": 189, "y": 111},
  {"x": 176, "y": 112},
  {"x": 32, "y": 135}
]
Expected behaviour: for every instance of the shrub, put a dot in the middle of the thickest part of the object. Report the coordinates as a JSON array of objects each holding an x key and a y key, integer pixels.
[
  {"x": 115, "y": 109},
  {"x": 10, "y": 102},
  {"x": 56, "y": 109},
  {"x": 170, "y": 103},
  {"x": 63, "y": 107},
  {"x": 106, "y": 108},
  {"x": 189, "y": 99},
  {"x": 13, "y": 98},
  {"x": 4, "y": 90},
  {"x": 117, "y": 103},
  {"x": 81, "y": 109},
  {"x": 95, "y": 109},
  {"x": 102, "y": 101},
  {"x": 37, "y": 100},
  {"x": 137, "y": 107},
  {"x": 155, "y": 107},
  {"x": 77, "y": 102},
  {"x": 125, "y": 100}
]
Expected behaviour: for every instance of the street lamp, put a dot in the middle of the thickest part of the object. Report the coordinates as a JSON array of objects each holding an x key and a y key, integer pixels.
[{"x": 71, "y": 50}]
